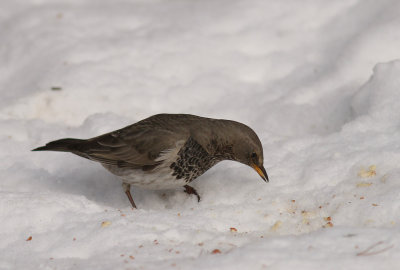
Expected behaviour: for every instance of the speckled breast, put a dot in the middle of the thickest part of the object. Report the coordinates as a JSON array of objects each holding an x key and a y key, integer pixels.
[{"x": 192, "y": 161}]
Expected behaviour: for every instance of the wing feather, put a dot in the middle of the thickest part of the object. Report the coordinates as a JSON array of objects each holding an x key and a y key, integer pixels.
[{"x": 131, "y": 147}]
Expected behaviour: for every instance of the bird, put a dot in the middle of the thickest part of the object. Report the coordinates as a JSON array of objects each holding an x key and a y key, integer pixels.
[{"x": 168, "y": 151}]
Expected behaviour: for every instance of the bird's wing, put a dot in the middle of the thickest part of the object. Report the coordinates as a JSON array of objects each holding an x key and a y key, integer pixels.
[{"x": 134, "y": 147}]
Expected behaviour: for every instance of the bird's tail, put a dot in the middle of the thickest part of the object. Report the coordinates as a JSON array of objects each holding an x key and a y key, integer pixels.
[{"x": 63, "y": 145}]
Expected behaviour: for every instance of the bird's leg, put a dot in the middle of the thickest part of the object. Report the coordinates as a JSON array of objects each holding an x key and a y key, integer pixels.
[
  {"x": 127, "y": 189},
  {"x": 189, "y": 190}
]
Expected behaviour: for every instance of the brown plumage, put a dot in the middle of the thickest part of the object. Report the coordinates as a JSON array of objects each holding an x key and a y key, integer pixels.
[{"x": 168, "y": 150}]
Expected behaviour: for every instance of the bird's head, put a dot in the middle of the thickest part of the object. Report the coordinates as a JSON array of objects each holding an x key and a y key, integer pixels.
[{"x": 249, "y": 151}]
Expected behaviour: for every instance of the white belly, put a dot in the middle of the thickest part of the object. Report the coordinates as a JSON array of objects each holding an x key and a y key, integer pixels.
[{"x": 159, "y": 178}]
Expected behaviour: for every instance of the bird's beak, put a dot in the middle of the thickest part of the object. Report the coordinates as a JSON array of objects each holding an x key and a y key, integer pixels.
[{"x": 261, "y": 171}]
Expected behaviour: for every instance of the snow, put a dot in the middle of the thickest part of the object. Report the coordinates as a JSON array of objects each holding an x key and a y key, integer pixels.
[{"x": 317, "y": 80}]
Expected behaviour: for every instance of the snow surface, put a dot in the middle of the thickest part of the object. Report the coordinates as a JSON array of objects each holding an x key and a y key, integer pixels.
[{"x": 317, "y": 80}]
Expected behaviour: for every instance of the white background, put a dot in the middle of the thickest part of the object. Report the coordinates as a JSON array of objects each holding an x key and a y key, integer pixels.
[{"x": 317, "y": 80}]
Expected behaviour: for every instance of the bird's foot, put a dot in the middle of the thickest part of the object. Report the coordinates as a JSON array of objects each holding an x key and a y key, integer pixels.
[
  {"x": 189, "y": 190},
  {"x": 127, "y": 189}
]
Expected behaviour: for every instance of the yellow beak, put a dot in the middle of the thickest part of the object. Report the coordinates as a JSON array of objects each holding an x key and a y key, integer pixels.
[{"x": 261, "y": 171}]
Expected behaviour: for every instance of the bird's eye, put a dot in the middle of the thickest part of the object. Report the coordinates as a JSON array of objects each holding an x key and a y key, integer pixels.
[{"x": 253, "y": 155}]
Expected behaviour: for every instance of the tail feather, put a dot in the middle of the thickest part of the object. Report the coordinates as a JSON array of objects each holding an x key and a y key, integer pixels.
[{"x": 63, "y": 145}]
